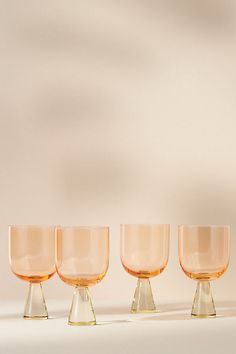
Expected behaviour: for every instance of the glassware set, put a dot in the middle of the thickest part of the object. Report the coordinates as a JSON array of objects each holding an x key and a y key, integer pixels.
[{"x": 80, "y": 256}]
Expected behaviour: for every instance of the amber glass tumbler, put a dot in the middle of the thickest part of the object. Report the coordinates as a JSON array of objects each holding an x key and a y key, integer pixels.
[
  {"x": 32, "y": 258},
  {"x": 204, "y": 256},
  {"x": 144, "y": 254}
]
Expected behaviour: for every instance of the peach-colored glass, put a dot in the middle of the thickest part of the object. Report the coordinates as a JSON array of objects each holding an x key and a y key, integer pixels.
[
  {"x": 32, "y": 258},
  {"x": 144, "y": 254},
  {"x": 82, "y": 260},
  {"x": 204, "y": 256}
]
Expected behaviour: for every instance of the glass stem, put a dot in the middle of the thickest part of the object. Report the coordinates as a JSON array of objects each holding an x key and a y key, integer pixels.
[
  {"x": 35, "y": 307},
  {"x": 203, "y": 304},
  {"x": 143, "y": 299},
  {"x": 81, "y": 312}
]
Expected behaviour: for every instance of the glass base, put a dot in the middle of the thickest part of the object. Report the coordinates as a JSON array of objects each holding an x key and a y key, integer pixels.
[
  {"x": 81, "y": 312},
  {"x": 203, "y": 304},
  {"x": 35, "y": 317},
  {"x": 35, "y": 308},
  {"x": 143, "y": 298},
  {"x": 91, "y": 323}
]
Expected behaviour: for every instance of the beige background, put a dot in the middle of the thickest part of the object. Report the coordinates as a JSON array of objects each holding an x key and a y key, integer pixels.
[{"x": 118, "y": 111}]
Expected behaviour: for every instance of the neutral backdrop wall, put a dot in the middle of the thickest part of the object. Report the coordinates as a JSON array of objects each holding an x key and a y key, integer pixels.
[{"x": 118, "y": 111}]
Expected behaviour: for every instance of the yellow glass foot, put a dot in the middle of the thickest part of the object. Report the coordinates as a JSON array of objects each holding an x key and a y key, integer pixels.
[
  {"x": 35, "y": 308},
  {"x": 203, "y": 304},
  {"x": 81, "y": 312},
  {"x": 143, "y": 299}
]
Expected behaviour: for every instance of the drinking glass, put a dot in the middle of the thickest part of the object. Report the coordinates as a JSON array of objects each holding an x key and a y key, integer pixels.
[
  {"x": 144, "y": 254},
  {"x": 32, "y": 258},
  {"x": 82, "y": 259},
  {"x": 204, "y": 256}
]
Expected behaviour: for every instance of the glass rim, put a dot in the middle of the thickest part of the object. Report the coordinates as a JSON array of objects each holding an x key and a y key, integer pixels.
[
  {"x": 145, "y": 224},
  {"x": 33, "y": 226},
  {"x": 213, "y": 226},
  {"x": 93, "y": 227}
]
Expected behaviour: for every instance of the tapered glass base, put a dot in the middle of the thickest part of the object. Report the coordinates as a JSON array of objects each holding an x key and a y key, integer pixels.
[
  {"x": 203, "y": 304},
  {"x": 143, "y": 299},
  {"x": 35, "y": 307},
  {"x": 81, "y": 312}
]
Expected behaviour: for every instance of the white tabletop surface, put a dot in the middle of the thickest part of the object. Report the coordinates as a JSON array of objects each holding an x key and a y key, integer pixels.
[{"x": 170, "y": 331}]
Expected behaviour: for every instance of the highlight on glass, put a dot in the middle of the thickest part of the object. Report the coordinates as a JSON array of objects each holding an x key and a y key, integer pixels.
[
  {"x": 144, "y": 254},
  {"x": 204, "y": 256},
  {"x": 82, "y": 259},
  {"x": 32, "y": 258}
]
